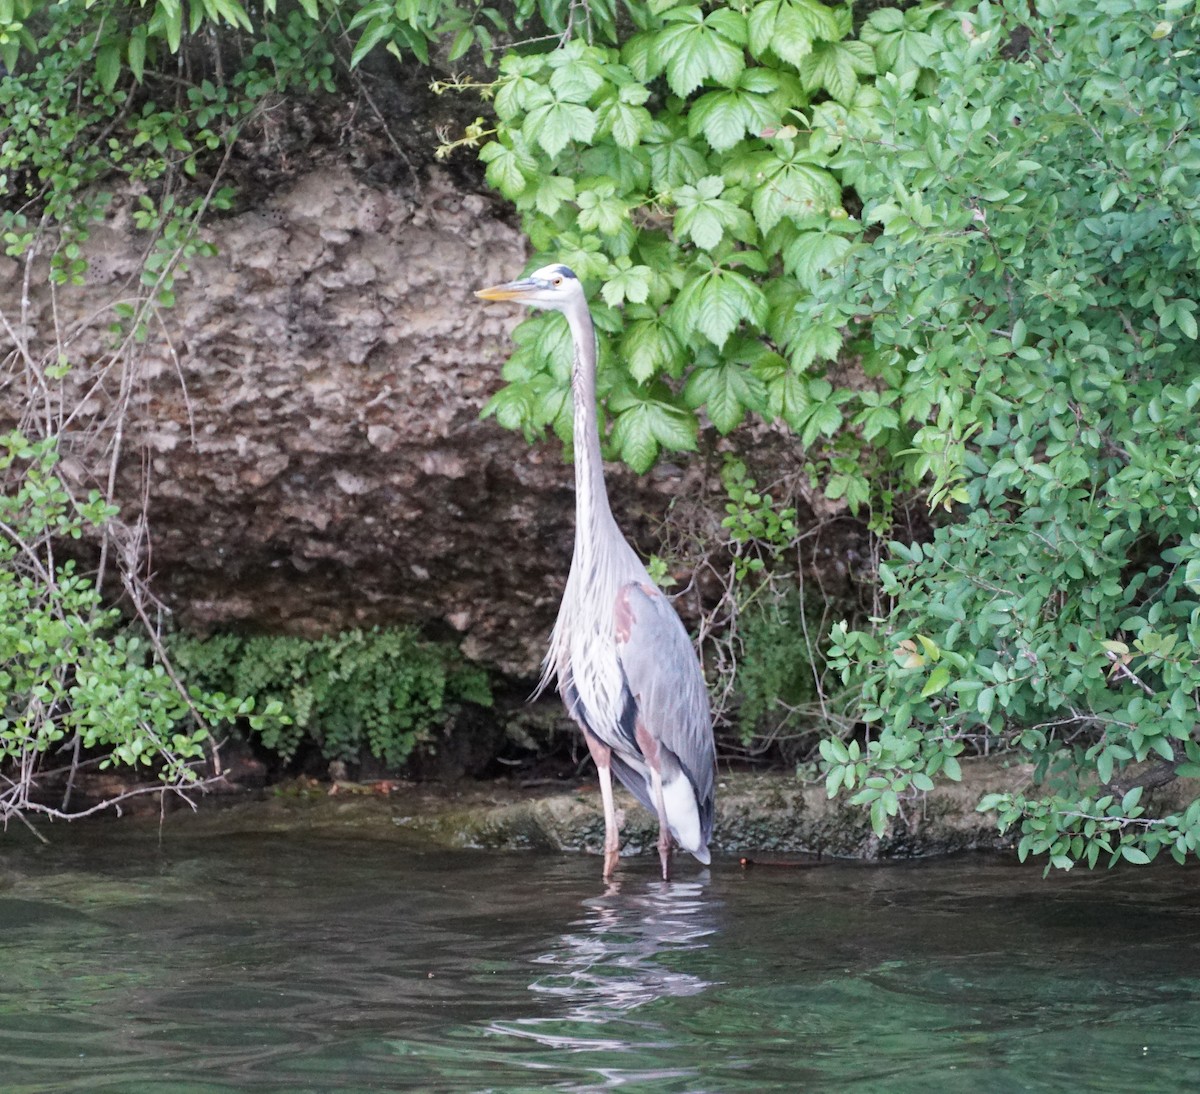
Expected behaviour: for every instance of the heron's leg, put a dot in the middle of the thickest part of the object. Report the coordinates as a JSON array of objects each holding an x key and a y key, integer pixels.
[
  {"x": 664, "y": 830},
  {"x": 602, "y": 754}
]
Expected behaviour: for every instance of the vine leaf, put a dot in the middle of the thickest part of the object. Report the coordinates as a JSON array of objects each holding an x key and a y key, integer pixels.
[
  {"x": 555, "y": 124},
  {"x": 725, "y": 117},
  {"x": 835, "y": 66},
  {"x": 789, "y": 28},
  {"x": 696, "y": 48},
  {"x": 601, "y": 211},
  {"x": 509, "y": 167},
  {"x": 715, "y": 303},
  {"x": 900, "y": 43},
  {"x": 704, "y": 215},
  {"x": 631, "y": 283},
  {"x": 646, "y": 425},
  {"x": 792, "y": 189},
  {"x": 650, "y": 347},
  {"x": 727, "y": 390},
  {"x": 812, "y": 253}
]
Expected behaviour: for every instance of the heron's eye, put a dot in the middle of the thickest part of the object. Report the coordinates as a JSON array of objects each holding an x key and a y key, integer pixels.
[{"x": 558, "y": 281}]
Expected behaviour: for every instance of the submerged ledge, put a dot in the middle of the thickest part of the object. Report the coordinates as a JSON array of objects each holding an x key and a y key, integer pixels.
[{"x": 756, "y": 813}]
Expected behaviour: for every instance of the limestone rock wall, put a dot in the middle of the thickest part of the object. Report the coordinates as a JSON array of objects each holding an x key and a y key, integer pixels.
[{"x": 303, "y": 427}]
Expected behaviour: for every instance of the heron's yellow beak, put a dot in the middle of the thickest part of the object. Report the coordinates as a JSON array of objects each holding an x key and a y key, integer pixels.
[{"x": 510, "y": 290}]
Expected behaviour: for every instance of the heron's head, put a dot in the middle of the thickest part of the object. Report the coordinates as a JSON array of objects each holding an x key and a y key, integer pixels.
[{"x": 553, "y": 286}]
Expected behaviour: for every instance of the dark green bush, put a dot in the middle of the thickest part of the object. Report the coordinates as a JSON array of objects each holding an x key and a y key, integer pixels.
[{"x": 1026, "y": 285}]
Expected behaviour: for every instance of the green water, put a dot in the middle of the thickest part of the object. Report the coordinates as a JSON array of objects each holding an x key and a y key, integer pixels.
[{"x": 301, "y": 964}]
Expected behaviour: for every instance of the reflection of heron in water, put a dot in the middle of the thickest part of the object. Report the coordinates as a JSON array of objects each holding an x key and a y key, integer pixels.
[{"x": 622, "y": 954}]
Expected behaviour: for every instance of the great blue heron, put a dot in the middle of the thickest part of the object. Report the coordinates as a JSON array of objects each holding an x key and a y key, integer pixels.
[{"x": 626, "y": 669}]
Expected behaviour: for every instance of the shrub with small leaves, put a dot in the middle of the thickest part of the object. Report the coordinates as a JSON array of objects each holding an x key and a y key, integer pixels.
[{"x": 1026, "y": 282}]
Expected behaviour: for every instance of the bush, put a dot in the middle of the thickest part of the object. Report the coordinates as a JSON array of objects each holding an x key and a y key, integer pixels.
[
  {"x": 378, "y": 692},
  {"x": 1025, "y": 284},
  {"x": 74, "y": 681}
]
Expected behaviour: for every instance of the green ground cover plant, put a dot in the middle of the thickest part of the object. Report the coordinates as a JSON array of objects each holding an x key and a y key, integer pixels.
[{"x": 358, "y": 693}]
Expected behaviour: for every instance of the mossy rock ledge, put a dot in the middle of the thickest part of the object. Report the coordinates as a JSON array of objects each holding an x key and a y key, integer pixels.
[{"x": 757, "y": 813}]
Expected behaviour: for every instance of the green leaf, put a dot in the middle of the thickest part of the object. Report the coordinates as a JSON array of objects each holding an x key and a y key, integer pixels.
[
  {"x": 631, "y": 283},
  {"x": 725, "y": 117},
  {"x": 136, "y": 52},
  {"x": 715, "y": 303},
  {"x": 879, "y": 817},
  {"x": 555, "y": 124},
  {"x": 728, "y": 391},
  {"x": 835, "y": 66},
  {"x": 675, "y": 159},
  {"x": 627, "y": 124},
  {"x": 601, "y": 211},
  {"x": 173, "y": 20},
  {"x": 640, "y": 430},
  {"x": 788, "y": 28},
  {"x": 1185, "y": 320},
  {"x": 577, "y": 75},
  {"x": 787, "y": 398},
  {"x": 108, "y": 65},
  {"x": 552, "y": 190},
  {"x": 705, "y": 216},
  {"x": 376, "y": 31},
  {"x": 789, "y": 188},
  {"x": 900, "y": 45},
  {"x": 810, "y": 254},
  {"x": 695, "y": 49},
  {"x": 510, "y": 167},
  {"x": 816, "y": 342},
  {"x": 651, "y": 348},
  {"x": 822, "y": 418},
  {"x": 938, "y": 679},
  {"x": 721, "y": 117}
]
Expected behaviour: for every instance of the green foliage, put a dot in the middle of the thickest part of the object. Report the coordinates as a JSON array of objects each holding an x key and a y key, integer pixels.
[
  {"x": 1025, "y": 284},
  {"x": 775, "y": 677},
  {"x": 413, "y": 27},
  {"x": 764, "y": 634},
  {"x": 758, "y": 531},
  {"x": 73, "y": 116},
  {"x": 69, "y": 673},
  {"x": 692, "y": 169},
  {"x": 377, "y": 691}
]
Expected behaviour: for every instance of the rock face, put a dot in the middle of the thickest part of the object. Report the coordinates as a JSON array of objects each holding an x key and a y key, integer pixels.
[{"x": 303, "y": 425}]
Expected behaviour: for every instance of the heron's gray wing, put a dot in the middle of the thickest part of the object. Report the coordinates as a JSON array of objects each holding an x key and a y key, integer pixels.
[
  {"x": 667, "y": 686},
  {"x": 622, "y": 742}
]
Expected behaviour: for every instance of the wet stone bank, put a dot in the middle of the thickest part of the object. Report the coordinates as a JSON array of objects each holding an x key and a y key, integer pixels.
[{"x": 757, "y": 813}]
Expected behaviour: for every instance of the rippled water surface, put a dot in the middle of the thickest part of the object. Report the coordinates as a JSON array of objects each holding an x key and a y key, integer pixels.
[{"x": 302, "y": 964}]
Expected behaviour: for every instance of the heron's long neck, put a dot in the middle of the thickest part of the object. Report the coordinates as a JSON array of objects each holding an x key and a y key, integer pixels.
[{"x": 591, "y": 498}]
